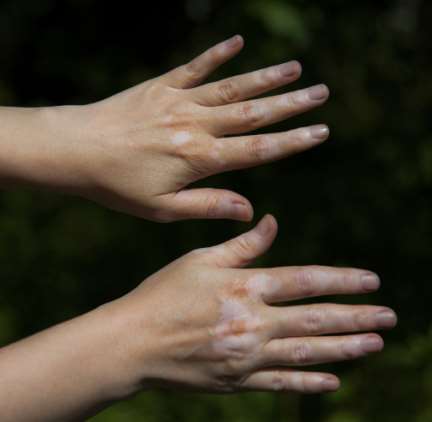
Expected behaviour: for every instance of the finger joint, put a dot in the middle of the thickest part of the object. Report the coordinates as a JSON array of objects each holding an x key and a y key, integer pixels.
[{"x": 228, "y": 92}]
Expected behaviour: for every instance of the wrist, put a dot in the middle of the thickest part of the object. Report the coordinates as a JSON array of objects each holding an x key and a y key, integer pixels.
[
  {"x": 136, "y": 348},
  {"x": 111, "y": 336},
  {"x": 42, "y": 147}
]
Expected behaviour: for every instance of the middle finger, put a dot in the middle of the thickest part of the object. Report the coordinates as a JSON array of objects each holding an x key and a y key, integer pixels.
[{"x": 253, "y": 114}]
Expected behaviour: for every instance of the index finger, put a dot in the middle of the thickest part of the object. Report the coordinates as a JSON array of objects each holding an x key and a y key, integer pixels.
[
  {"x": 292, "y": 283},
  {"x": 192, "y": 73}
]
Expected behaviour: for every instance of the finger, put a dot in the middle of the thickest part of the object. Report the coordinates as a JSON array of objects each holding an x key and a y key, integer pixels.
[
  {"x": 192, "y": 73},
  {"x": 292, "y": 283},
  {"x": 204, "y": 203},
  {"x": 308, "y": 320},
  {"x": 253, "y": 114},
  {"x": 243, "y": 249},
  {"x": 317, "y": 350},
  {"x": 239, "y": 152},
  {"x": 291, "y": 380},
  {"x": 241, "y": 87}
]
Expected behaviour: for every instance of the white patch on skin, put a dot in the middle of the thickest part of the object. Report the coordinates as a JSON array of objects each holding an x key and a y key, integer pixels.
[
  {"x": 284, "y": 101},
  {"x": 215, "y": 152},
  {"x": 181, "y": 137},
  {"x": 261, "y": 284},
  {"x": 273, "y": 147},
  {"x": 293, "y": 99},
  {"x": 226, "y": 340},
  {"x": 167, "y": 119}
]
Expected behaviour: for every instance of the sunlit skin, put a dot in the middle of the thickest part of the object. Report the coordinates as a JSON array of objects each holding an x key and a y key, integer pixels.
[
  {"x": 138, "y": 151},
  {"x": 203, "y": 323}
]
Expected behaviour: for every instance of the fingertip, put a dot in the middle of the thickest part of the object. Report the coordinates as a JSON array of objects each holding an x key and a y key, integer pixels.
[
  {"x": 243, "y": 210},
  {"x": 372, "y": 343},
  {"x": 326, "y": 89},
  {"x": 267, "y": 226},
  {"x": 239, "y": 40},
  {"x": 297, "y": 68},
  {"x": 235, "y": 41},
  {"x": 330, "y": 383},
  {"x": 319, "y": 133}
]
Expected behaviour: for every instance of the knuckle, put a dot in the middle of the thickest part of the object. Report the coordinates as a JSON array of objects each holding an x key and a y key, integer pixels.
[
  {"x": 250, "y": 114},
  {"x": 294, "y": 100},
  {"x": 193, "y": 71},
  {"x": 277, "y": 381},
  {"x": 301, "y": 353},
  {"x": 348, "y": 351},
  {"x": 268, "y": 77},
  {"x": 360, "y": 319},
  {"x": 303, "y": 385},
  {"x": 258, "y": 147},
  {"x": 345, "y": 280},
  {"x": 244, "y": 245},
  {"x": 212, "y": 206},
  {"x": 313, "y": 321},
  {"x": 304, "y": 282},
  {"x": 299, "y": 98},
  {"x": 227, "y": 92}
]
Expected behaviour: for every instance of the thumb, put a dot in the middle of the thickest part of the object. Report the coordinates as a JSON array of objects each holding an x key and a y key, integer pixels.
[
  {"x": 243, "y": 249},
  {"x": 206, "y": 203}
]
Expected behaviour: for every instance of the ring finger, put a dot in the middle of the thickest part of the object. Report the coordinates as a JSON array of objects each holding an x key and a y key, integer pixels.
[
  {"x": 310, "y": 320},
  {"x": 248, "y": 85}
]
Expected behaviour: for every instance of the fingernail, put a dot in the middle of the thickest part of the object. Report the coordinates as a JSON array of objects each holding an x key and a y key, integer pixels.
[
  {"x": 290, "y": 69},
  {"x": 231, "y": 42},
  {"x": 330, "y": 384},
  {"x": 240, "y": 210},
  {"x": 386, "y": 319},
  {"x": 318, "y": 92},
  {"x": 319, "y": 132},
  {"x": 370, "y": 282},
  {"x": 372, "y": 344}
]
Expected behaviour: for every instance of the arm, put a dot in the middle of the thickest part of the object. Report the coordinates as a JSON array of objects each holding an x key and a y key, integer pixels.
[
  {"x": 203, "y": 324},
  {"x": 138, "y": 151}
]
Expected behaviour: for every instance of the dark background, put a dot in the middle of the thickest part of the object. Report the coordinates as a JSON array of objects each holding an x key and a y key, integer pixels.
[{"x": 362, "y": 199}]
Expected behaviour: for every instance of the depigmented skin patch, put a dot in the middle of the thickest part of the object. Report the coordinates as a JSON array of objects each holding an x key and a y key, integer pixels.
[
  {"x": 235, "y": 333},
  {"x": 254, "y": 288},
  {"x": 261, "y": 284},
  {"x": 237, "y": 329},
  {"x": 181, "y": 137}
]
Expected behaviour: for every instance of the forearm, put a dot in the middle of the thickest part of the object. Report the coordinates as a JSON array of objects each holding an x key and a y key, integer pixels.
[
  {"x": 40, "y": 147},
  {"x": 67, "y": 373}
]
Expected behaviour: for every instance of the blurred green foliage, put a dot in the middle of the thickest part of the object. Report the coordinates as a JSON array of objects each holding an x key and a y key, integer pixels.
[{"x": 363, "y": 199}]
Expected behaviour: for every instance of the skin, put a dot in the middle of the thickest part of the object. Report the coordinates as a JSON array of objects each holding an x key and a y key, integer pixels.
[
  {"x": 138, "y": 151},
  {"x": 203, "y": 323}
]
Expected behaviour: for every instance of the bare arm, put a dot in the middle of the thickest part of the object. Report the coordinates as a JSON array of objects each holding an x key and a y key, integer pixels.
[{"x": 202, "y": 323}]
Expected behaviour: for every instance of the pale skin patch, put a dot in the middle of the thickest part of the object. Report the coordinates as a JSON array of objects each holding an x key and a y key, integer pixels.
[
  {"x": 181, "y": 137},
  {"x": 272, "y": 149},
  {"x": 215, "y": 152},
  {"x": 235, "y": 332},
  {"x": 299, "y": 97},
  {"x": 237, "y": 325},
  {"x": 261, "y": 284}
]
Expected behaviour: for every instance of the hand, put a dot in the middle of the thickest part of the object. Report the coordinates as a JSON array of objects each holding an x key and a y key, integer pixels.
[
  {"x": 202, "y": 323},
  {"x": 143, "y": 147}
]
